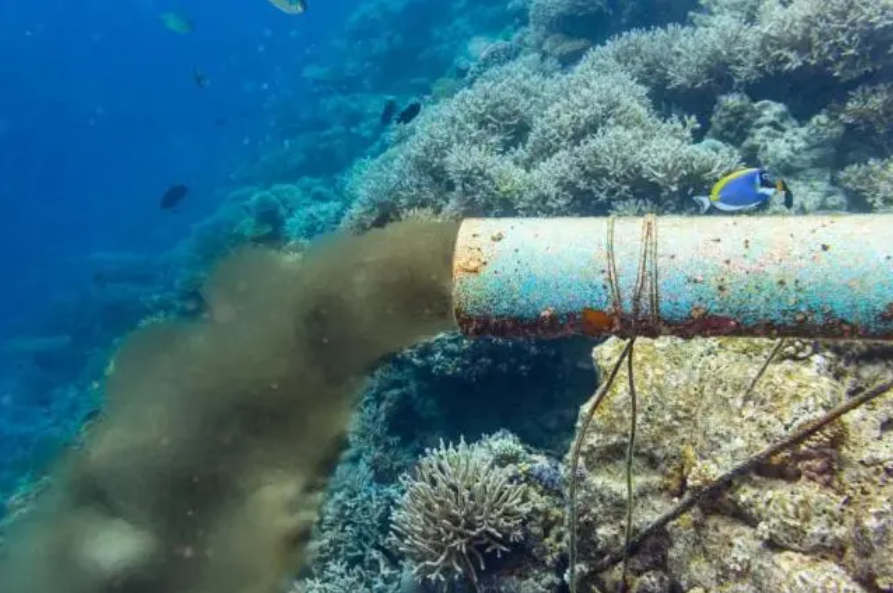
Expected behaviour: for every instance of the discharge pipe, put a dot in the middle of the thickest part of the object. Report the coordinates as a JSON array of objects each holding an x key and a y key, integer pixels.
[{"x": 756, "y": 276}]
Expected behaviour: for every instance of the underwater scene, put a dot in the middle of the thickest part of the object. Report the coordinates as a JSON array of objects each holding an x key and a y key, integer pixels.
[{"x": 481, "y": 296}]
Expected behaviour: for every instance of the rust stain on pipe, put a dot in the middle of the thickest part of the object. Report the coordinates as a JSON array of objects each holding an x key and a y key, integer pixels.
[{"x": 810, "y": 277}]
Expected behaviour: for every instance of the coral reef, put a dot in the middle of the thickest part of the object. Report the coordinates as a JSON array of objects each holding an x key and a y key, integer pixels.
[
  {"x": 566, "y": 29},
  {"x": 545, "y": 108},
  {"x": 872, "y": 182},
  {"x": 525, "y": 140},
  {"x": 766, "y": 132},
  {"x": 422, "y": 396},
  {"x": 847, "y": 38},
  {"x": 457, "y": 507},
  {"x": 810, "y": 519},
  {"x": 870, "y": 109},
  {"x": 529, "y": 139},
  {"x": 497, "y": 484},
  {"x": 739, "y": 41}
]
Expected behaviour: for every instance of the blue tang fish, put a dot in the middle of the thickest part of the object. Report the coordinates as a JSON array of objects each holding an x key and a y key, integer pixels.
[{"x": 745, "y": 189}]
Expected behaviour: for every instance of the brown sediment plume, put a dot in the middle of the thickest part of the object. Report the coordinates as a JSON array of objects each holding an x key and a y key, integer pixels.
[{"x": 205, "y": 473}]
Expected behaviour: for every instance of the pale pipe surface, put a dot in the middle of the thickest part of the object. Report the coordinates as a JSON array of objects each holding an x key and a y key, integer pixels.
[{"x": 803, "y": 276}]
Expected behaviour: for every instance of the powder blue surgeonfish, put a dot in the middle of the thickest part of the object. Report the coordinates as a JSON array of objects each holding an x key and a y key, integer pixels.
[{"x": 745, "y": 189}]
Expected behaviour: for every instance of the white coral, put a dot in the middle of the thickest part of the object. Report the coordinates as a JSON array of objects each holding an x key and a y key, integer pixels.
[{"x": 457, "y": 507}]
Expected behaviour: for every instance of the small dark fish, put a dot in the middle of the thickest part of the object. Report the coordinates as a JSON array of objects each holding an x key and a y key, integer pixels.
[
  {"x": 387, "y": 114},
  {"x": 173, "y": 196},
  {"x": 408, "y": 114},
  {"x": 201, "y": 81}
]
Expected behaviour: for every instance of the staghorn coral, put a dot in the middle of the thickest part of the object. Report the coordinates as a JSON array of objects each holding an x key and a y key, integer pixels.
[
  {"x": 715, "y": 55},
  {"x": 338, "y": 577},
  {"x": 870, "y": 108},
  {"x": 457, "y": 507},
  {"x": 527, "y": 140},
  {"x": 847, "y": 38},
  {"x": 731, "y": 43},
  {"x": 494, "y": 115},
  {"x": 565, "y": 29},
  {"x": 353, "y": 517},
  {"x": 595, "y": 94}
]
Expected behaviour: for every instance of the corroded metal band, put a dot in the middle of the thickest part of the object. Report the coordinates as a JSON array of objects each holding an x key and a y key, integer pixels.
[{"x": 806, "y": 276}]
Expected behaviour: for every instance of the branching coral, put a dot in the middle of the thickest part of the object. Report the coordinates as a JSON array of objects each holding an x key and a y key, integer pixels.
[
  {"x": 870, "y": 109},
  {"x": 528, "y": 140},
  {"x": 845, "y": 37},
  {"x": 567, "y": 17},
  {"x": 872, "y": 181},
  {"x": 565, "y": 29},
  {"x": 722, "y": 51},
  {"x": 738, "y": 41},
  {"x": 458, "y": 507},
  {"x": 338, "y": 577}
]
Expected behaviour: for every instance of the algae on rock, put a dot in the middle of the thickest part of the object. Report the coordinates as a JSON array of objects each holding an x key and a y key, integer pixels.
[{"x": 814, "y": 512}]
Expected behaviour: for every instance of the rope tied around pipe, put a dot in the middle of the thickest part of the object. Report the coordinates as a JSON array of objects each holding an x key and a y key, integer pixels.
[
  {"x": 810, "y": 277},
  {"x": 647, "y": 251},
  {"x": 647, "y": 271}
]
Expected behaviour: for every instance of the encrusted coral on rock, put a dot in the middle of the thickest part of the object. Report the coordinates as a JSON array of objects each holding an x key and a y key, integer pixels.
[{"x": 814, "y": 518}]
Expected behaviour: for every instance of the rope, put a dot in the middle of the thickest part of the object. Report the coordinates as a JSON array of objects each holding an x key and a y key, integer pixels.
[
  {"x": 753, "y": 383},
  {"x": 647, "y": 255},
  {"x": 575, "y": 463},
  {"x": 648, "y": 251},
  {"x": 633, "y": 409},
  {"x": 613, "y": 280},
  {"x": 799, "y": 434}
]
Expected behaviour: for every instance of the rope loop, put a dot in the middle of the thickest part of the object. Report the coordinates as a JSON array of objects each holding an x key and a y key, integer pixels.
[{"x": 647, "y": 273}]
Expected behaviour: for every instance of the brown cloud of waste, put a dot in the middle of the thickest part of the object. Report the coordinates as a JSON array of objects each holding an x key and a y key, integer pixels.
[{"x": 205, "y": 472}]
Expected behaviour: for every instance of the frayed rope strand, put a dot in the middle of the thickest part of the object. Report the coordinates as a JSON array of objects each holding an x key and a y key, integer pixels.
[
  {"x": 630, "y": 451},
  {"x": 575, "y": 462},
  {"x": 753, "y": 383}
]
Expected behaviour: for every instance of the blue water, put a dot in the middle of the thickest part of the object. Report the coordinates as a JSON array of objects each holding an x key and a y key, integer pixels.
[
  {"x": 525, "y": 108},
  {"x": 99, "y": 114}
]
